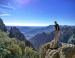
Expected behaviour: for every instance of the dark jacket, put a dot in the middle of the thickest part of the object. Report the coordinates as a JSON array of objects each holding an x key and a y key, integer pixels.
[{"x": 57, "y": 28}]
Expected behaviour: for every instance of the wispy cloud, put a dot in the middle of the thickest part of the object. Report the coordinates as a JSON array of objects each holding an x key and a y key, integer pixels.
[
  {"x": 5, "y": 10},
  {"x": 7, "y": 7},
  {"x": 5, "y": 14},
  {"x": 7, "y": 4}
]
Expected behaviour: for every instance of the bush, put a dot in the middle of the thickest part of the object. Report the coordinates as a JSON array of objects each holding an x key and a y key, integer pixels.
[{"x": 13, "y": 48}]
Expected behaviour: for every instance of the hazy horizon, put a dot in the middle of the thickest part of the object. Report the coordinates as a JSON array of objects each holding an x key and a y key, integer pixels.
[{"x": 37, "y": 25}]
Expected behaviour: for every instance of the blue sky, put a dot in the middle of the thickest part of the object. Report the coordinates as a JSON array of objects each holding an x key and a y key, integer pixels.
[{"x": 37, "y": 12}]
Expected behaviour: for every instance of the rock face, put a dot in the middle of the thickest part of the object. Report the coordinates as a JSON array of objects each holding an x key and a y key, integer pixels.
[
  {"x": 53, "y": 54},
  {"x": 2, "y": 26},
  {"x": 66, "y": 51},
  {"x": 15, "y": 33}
]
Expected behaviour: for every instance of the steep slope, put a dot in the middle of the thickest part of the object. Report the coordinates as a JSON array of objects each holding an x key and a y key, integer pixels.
[
  {"x": 41, "y": 39},
  {"x": 2, "y": 26}
]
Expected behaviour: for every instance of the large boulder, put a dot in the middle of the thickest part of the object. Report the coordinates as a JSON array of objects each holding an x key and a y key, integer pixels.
[
  {"x": 53, "y": 54},
  {"x": 2, "y": 26},
  {"x": 65, "y": 51}
]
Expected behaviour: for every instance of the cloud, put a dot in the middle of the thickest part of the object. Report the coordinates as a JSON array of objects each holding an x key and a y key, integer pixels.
[
  {"x": 7, "y": 4},
  {"x": 5, "y": 14},
  {"x": 7, "y": 7}
]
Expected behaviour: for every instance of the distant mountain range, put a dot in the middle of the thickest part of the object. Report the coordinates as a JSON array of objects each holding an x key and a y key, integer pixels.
[
  {"x": 41, "y": 35},
  {"x": 30, "y": 32},
  {"x": 40, "y": 39}
]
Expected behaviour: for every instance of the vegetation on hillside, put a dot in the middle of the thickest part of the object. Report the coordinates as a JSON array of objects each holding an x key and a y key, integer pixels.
[{"x": 13, "y": 48}]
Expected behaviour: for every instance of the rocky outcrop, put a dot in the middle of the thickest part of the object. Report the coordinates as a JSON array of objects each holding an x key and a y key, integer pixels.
[
  {"x": 52, "y": 54},
  {"x": 65, "y": 51},
  {"x": 15, "y": 33},
  {"x": 2, "y": 26}
]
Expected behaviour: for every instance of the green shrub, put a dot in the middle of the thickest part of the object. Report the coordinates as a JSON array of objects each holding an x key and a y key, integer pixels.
[{"x": 13, "y": 48}]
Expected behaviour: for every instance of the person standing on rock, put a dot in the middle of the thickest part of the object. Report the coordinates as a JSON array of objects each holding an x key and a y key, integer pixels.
[
  {"x": 57, "y": 33},
  {"x": 55, "y": 42}
]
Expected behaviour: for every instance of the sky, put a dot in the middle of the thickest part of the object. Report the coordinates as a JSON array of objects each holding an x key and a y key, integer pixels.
[{"x": 37, "y": 12}]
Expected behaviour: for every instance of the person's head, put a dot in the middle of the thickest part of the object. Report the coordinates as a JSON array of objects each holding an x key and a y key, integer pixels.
[{"x": 55, "y": 22}]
